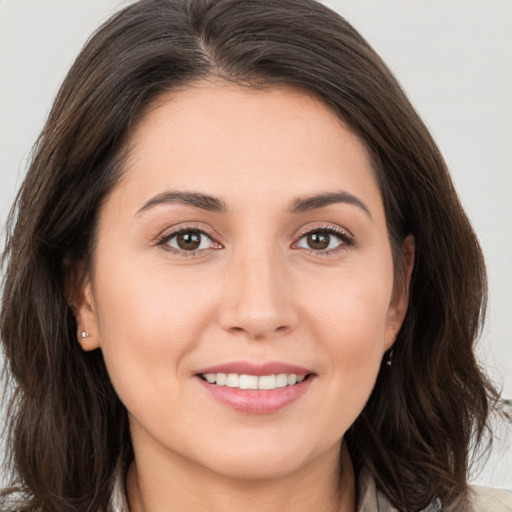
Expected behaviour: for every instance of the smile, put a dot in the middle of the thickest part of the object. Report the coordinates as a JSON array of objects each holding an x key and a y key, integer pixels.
[
  {"x": 244, "y": 381},
  {"x": 256, "y": 388}
]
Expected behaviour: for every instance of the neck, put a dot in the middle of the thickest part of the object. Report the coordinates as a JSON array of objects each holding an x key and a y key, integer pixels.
[{"x": 325, "y": 485}]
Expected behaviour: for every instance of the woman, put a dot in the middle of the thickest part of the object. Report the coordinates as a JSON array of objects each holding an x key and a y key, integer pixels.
[{"x": 239, "y": 277}]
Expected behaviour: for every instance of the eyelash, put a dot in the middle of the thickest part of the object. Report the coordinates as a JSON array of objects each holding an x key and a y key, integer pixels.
[
  {"x": 345, "y": 238},
  {"x": 166, "y": 237}
]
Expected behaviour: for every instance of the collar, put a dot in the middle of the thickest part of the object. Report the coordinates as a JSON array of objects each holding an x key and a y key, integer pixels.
[{"x": 371, "y": 500}]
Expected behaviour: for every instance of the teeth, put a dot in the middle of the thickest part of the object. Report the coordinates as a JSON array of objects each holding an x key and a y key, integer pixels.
[
  {"x": 281, "y": 380},
  {"x": 234, "y": 380},
  {"x": 248, "y": 382},
  {"x": 210, "y": 377},
  {"x": 267, "y": 382},
  {"x": 292, "y": 379}
]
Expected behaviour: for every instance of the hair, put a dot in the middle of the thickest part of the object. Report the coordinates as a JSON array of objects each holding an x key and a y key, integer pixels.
[{"x": 68, "y": 430}]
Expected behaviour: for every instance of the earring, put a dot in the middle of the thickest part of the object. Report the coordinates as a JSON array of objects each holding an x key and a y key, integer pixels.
[
  {"x": 389, "y": 362},
  {"x": 84, "y": 334}
]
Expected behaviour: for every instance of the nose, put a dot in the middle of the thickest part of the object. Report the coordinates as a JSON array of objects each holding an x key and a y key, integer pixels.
[{"x": 258, "y": 298}]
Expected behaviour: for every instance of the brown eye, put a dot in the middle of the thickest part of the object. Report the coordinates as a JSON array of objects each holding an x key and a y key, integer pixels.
[
  {"x": 318, "y": 241},
  {"x": 188, "y": 241},
  {"x": 328, "y": 240}
]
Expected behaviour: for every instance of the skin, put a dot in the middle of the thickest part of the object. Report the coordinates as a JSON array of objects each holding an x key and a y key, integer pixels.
[{"x": 255, "y": 291}]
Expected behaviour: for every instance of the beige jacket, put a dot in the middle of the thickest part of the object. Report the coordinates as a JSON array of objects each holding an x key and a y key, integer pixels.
[{"x": 483, "y": 499}]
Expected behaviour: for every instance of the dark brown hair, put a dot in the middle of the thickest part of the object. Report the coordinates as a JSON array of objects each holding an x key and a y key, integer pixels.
[{"x": 68, "y": 429}]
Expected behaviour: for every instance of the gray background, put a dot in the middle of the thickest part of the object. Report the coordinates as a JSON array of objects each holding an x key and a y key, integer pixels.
[{"x": 454, "y": 59}]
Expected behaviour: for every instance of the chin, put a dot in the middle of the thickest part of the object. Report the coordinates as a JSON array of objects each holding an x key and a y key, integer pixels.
[
  {"x": 262, "y": 461},
  {"x": 259, "y": 467}
]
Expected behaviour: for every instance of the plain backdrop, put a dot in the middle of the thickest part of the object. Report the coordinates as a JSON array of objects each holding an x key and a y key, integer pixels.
[{"x": 454, "y": 59}]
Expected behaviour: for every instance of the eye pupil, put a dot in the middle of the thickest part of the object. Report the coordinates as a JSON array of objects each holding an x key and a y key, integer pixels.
[
  {"x": 189, "y": 240},
  {"x": 319, "y": 240}
]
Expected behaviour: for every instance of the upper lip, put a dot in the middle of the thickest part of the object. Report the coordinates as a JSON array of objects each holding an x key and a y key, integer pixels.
[{"x": 249, "y": 368}]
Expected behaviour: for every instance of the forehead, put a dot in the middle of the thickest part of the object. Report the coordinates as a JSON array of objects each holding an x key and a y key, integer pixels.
[{"x": 231, "y": 140}]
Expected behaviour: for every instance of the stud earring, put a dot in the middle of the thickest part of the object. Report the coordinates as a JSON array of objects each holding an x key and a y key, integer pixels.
[{"x": 84, "y": 334}]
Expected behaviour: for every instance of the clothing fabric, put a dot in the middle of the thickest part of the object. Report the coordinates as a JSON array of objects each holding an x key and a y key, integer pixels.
[
  {"x": 487, "y": 499},
  {"x": 370, "y": 499},
  {"x": 482, "y": 499}
]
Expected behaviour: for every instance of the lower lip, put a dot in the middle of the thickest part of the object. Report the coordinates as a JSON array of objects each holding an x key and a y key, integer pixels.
[{"x": 257, "y": 401}]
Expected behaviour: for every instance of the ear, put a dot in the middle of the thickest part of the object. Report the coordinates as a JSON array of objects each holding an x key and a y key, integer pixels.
[
  {"x": 400, "y": 299},
  {"x": 81, "y": 300}
]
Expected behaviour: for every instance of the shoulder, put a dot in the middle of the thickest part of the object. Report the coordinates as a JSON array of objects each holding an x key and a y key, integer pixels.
[{"x": 487, "y": 499}]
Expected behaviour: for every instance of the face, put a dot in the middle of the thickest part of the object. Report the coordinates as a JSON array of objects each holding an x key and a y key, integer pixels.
[{"x": 244, "y": 247}]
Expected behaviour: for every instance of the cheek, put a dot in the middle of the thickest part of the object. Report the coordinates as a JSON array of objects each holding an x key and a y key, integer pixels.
[
  {"x": 351, "y": 307},
  {"x": 353, "y": 341},
  {"x": 136, "y": 297},
  {"x": 349, "y": 319},
  {"x": 148, "y": 323}
]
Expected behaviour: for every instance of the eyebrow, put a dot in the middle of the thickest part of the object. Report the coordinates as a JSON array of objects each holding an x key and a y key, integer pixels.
[
  {"x": 195, "y": 199},
  {"x": 213, "y": 204},
  {"x": 306, "y": 203}
]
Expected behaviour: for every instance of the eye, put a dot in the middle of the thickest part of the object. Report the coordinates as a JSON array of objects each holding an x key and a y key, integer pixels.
[
  {"x": 324, "y": 240},
  {"x": 188, "y": 240}
]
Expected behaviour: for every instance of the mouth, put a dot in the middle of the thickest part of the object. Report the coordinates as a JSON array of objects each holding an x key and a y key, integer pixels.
[
  {"x": 247, "y": 381},
  {"x": 256, "y": 388}
]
